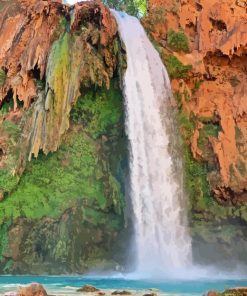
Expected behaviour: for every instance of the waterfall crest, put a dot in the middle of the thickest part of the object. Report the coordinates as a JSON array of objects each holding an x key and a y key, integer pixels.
[{"x": 162, "y": 242}]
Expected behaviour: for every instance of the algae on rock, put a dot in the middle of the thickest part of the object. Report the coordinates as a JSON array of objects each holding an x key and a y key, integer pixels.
[
  {"x": 75, "y": 194},
  {"x": 63, "y": 211}
]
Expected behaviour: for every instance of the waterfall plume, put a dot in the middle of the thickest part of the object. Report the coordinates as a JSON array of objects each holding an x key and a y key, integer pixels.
[{"x": 162, "y": 242}]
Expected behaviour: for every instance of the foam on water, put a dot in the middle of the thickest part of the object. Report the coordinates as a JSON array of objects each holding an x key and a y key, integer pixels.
[{"x": 67, "y": 285}]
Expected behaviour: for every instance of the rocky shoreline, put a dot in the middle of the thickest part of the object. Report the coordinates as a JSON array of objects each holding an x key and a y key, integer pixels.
[{"x": 36, "y": 289}]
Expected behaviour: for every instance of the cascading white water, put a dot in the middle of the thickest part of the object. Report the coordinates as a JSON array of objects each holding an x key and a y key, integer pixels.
[{"x": 161, "y": 237}]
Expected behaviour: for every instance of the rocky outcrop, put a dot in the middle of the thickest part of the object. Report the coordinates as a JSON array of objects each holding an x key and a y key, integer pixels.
[
  {"x": 204, "y": 46},
  {"x": 215, "y": 89},
  {"x": 241, "y": 291},
  {"x": 61, "y": 212},
  {"x": 32, "y": 290},
  {"x": 88, "y": 289},
  {"x": 36, "y": 95}
]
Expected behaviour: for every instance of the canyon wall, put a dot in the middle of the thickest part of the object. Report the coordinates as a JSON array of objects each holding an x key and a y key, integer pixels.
[
  {"x": 204, "y": 46},
  {"x": 63, "y": 150},
  {"x": 62, "y": 141}
]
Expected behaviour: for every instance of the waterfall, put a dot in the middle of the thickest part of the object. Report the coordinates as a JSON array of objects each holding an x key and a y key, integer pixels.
[{"x": 162, "y": 242}]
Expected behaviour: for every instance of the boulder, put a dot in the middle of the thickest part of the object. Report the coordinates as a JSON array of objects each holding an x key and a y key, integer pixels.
[
  {"x": 240, "y": 291},
  {"x": 123, "y": 292},
  {"x": 88, "y": 289},
  {"x": 34, "y": 289},
  {"x": 213, "y": 293}
]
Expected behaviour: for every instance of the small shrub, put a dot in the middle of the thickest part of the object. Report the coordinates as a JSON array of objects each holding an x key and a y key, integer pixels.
[
  {"x": 208, "y": 130},
  {"x": 175, "y": 68},
  {"x": 197, "y": 85},
  {"x": 177, "y": 41}
]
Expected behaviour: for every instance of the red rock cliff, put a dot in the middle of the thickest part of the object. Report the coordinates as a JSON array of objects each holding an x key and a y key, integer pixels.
[{"x": 215, "y": 91}]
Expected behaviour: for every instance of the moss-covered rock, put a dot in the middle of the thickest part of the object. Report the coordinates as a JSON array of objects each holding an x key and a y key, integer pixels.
[{"x": 67, "y": 210}]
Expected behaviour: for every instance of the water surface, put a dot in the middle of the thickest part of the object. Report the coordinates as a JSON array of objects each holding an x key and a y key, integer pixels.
[{"x": 67, "y": 285}]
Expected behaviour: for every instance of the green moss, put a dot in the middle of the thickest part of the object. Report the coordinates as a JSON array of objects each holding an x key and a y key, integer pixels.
[
  {"x": 8, "y": 181},
  {"x": 196, "y": 172},
  {"x": 53, "y": 183},
  {"x": 196, "y": 180},
  {"x": 178, "y": 96},
  {"x": 208, "y": 130},
  {"x": 80, "y": 170},
  {"x": 175, "y": 68},
  {"x": 2, "y": 77},
  {"x": 8, "y": 176},
  {"x": 241, "y": 167},
  {"x": 197, "y": 85},
  {"x": 187, "y": 96},
  {"x": 177, "y": 41},
  {"x": 238, "y": 134},
  {"x": 98, "y": 110},
  {"x": 3, "y": 239},
  {"x": 186, "y": 124},
  {"x": 6, "y": 107}
]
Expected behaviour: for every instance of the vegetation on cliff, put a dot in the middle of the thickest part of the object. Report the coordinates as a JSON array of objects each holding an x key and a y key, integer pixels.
[
  {"x": 177, "y": 41},
  {"x": 62, "y": 211},
  {"x": 133, "y": 7},
  {"x": 208, "y": 80},
  {"x": 81, "y": 173}
]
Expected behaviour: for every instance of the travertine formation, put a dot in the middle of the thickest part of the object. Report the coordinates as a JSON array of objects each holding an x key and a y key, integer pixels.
[
  {"x": 216, "y": 87},
  {"x": 59, "y": 87},
  {"x": 38, "y": 71},
  {"x": 204, "y": 46}
]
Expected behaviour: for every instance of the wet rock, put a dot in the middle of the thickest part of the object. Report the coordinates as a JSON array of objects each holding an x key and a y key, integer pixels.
[
  {"x": 88, "y": 289},
  {"x": 213, "y": 293},
  {"x": 34, "y": 289},
  {"x": 10, "y": 294},
  {"x": 240, "y": 291},
  {"x": 122, "y": 292}
]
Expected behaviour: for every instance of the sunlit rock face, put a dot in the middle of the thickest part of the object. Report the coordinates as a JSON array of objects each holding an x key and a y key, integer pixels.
[
  {"x": 31, "y": 78},
  {"x": 207, "y": 63},
  {"x": 217, "y": 35}
]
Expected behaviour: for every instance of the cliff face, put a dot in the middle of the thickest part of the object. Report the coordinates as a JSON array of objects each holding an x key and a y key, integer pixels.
[
  {"x": 59, "y": 91},
  {"x": 204, "y": 46}
]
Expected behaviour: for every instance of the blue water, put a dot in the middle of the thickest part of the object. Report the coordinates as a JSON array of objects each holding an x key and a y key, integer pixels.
[{"x": 196, "y": 287}]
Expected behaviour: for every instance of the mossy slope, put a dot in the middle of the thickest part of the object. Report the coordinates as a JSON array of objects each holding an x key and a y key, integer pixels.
[{"x": 67, "y": 210}]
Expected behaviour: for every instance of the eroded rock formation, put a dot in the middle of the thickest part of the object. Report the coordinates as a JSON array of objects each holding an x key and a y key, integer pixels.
[
  {"x": 204, "y": 46},
  {"x": 30, "y": 32},
  {"x": 217, "y": 34},
  {"x": 59, "y": 87}
]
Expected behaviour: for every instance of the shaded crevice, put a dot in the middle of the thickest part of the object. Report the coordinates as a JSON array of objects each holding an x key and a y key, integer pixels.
[
  {"x": 35, "y": 73},
  {"x": 8, "y": 100},
  {"x": 218, "y": 24}
]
